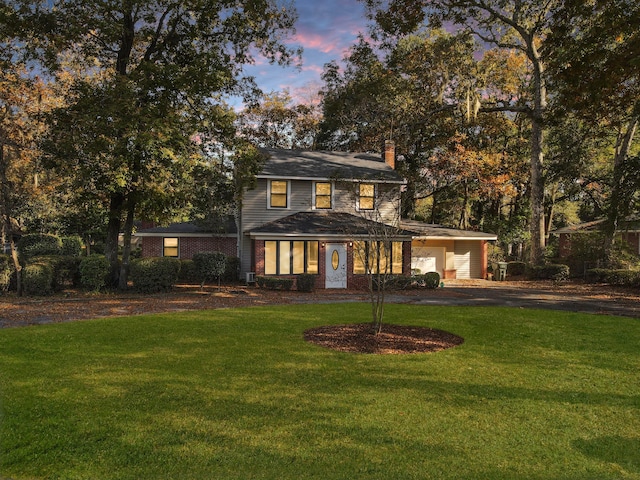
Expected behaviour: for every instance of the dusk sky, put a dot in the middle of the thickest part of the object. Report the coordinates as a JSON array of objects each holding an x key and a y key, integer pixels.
[{"x": 325, "y": 29}]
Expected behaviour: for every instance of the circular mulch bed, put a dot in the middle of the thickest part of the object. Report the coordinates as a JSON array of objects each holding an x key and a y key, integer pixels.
[{"x": 392, "y": 340}]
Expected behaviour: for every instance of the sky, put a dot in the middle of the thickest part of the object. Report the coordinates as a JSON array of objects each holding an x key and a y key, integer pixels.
[{"x": 325, "y": 30}]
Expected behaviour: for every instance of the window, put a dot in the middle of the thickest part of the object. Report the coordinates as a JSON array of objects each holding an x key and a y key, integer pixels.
[
  {"x": 366, "y": 196},
  {"x": 278, "y": 194},
  {"x": 322, "y": 195},
  {"x": 170, "y": 247},
  {"x": 380, "y": 257},
  {"x": 290, "y": 257}
]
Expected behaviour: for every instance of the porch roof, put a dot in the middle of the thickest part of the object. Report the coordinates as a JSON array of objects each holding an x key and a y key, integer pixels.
[
  {"x": 327, "y": 224},
  {"x": 438, "y": 232}
]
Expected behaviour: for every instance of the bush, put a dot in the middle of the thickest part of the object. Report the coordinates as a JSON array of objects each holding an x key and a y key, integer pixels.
[
  {"x": 623, "y": 278},
  {"x": 306, "y": 282},
  {"x": 35, "y": 244},
  {"x": 274, "y": 283},
  {"x": 431, "y": 280},
  {"x": 232, "y": 269},
  {"x": 516, "y": 269},
  {"x": 552, "y": 271},
  {"x": 188, "y": 272},
  {"x": 66, "y": 270},
  {"x": 94, "y": 271},
  {"x": 156, "y": 274},
  {"x": 6, "y": 271},
  {"x": 37, "y": 278},
  {"x": 209, "y": 265},
  {"x": 71, "y": 246}
]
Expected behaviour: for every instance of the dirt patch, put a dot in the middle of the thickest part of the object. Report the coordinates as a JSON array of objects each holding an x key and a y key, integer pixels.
[{"x": 392, "y": 340}]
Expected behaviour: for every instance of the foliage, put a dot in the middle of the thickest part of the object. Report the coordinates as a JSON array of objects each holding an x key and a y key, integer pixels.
[
  {"x": 623, "y": 278},
  {"x": 6, "y": 270},
  {"x": 209, "y": 265},
  {"x": 38, "y": 278},
  {"x": 65, "y": 269},
  {"x": 232, "y": 269},
  {"x": 94, "y": 270},
  {"x": 306, "y": 282},
  {"x": 188, "y": 273},
  {"x": 274, "y": 283},
  {"x": 71, "y": 246},
  {"x": 550, "y": 271},
  {"x": 154, "y": 274},
  {"x": 36, "y": 244},
  {"x": 516, "y": 269},
  {"x": 431, "y": 279},
  {"x": 532, "y": 379}
]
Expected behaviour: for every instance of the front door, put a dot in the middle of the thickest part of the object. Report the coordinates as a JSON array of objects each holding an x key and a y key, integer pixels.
[{"x": 336, "y": 265}]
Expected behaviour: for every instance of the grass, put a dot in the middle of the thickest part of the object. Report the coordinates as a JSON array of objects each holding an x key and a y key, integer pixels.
[{"x": 237, "y": 394}]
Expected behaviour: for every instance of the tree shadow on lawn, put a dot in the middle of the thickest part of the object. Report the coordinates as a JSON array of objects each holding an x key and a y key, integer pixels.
[{"x": 622, "y": 451}]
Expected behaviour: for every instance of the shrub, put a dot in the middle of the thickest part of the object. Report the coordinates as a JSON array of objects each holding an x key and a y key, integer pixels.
[
  {"x": 274, "y": 283},
  {"x": 71, "y": 246},
  {"x": 66, "y": 270},
  {"x": 37, "y": 278},
  {"x": 188, "y": 272},
  {"x": 516, "y": 269},
  {"x": 623, "y": 278},
  {"x": 155, "y": 274},
  {"x": 94, "y": 271},
  {"x": 209, "y": 265},
  {"x": 431, "y": 279},
  {"x": 552, "y": 271},
  {"x": 232, "y": 269},
  {"x": 306, "y": 282},
  {"x": 6, "y": 271},
  {"x": 35, "y": 244}
]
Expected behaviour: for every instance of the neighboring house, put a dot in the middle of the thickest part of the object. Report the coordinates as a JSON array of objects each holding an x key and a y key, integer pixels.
[
  {"x": 629, "y": 232},
  {"x": 183, "y": 240},
  {"x": 324, "y": 213}
]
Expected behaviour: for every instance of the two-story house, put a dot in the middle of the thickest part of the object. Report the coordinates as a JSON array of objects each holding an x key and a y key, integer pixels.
[
  {"x": 333, "y": 215},
  {"x": 326, "y": 214}
]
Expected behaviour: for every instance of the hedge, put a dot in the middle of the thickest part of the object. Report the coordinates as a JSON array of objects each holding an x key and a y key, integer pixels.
[
  {"x": 274, "y": 283},
  {"x": 94, "y": 271},
  {"x": 37, "y": 278},
  {"x": 552, "y": 271},
  {"x": 35, "y": 244},
  {"x": 66, "y": 269},
  {"x": 306, "y": 282},
  {"x": 71, "y": 246},
  {"x": 623, "y": 278},
  {"x": 155, "y": 274},
  {"x": 209, "y": 265}
]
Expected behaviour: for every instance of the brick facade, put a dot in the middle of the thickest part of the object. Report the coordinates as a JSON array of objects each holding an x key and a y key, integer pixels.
[
  {"x": 354, "y": 282},
  {"x": 188, "y": 246}
]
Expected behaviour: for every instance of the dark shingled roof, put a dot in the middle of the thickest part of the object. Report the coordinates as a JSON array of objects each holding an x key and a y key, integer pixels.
[
  {"x": 226, "y": 226},
  {"x": 322, "y": 223},
  {"x": 327, "y": 165},
  {"x": 431, "y": 230}
]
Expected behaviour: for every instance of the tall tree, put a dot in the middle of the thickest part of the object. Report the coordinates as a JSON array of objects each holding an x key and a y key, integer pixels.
[
  {"x": 152, "y": 69},
  {"x": 513, "y": 25},
  {"x": 276, "y": 122},
  {"x": 594, "y": 52}
]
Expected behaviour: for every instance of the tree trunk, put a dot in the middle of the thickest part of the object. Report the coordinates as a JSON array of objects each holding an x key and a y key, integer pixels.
[
  {"x": 123, "y": 280},
  {"x": 116, "y": 206},
  {"x": 538, "y": 239},
  {"x": 6, "y": 213}
]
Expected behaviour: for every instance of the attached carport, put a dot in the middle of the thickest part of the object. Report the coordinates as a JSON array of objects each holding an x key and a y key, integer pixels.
[{"x": 451, "y": 252}]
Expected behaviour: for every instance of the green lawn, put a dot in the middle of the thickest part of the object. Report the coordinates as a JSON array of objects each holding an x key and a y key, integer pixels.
[{"x": 238, "y": 394}]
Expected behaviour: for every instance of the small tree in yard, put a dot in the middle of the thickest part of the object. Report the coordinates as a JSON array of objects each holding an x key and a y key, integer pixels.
[{"x": 209, "y": 265}]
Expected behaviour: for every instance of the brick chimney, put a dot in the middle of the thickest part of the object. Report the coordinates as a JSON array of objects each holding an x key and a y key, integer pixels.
[{"x": 390, "y": 153}]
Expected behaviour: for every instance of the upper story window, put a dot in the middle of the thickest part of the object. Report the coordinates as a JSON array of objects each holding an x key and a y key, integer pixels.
[
  {"x": 170, "y": 247},
  {"x": 278, "y": 194},
  {"x": 366, "y": 196},
  {"x": 322, "y": 195}
]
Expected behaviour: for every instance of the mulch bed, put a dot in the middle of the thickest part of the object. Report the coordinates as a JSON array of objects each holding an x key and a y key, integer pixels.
[{"x": 393, "y": 339}]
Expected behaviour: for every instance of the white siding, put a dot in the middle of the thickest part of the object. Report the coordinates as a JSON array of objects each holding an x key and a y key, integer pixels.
[{"x": 468, "y": 259}]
